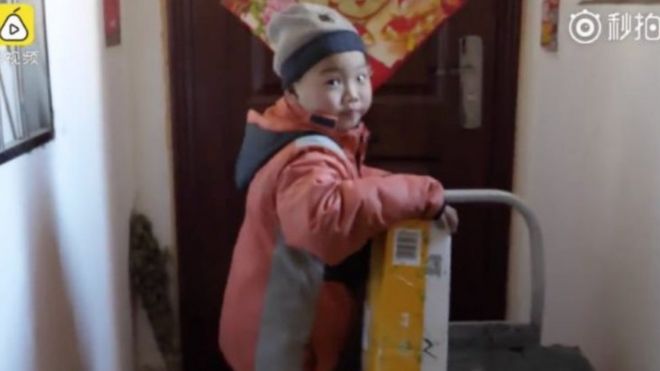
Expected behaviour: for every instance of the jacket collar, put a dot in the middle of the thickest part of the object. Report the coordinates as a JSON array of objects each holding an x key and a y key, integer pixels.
[{"x": 286, "y": 116}]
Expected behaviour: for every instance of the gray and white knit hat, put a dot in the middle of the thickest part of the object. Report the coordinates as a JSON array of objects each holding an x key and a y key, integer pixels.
[{"x": 303, "y": 34}]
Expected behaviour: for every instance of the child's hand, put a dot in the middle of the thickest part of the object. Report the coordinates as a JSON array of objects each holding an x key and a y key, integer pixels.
[{"x": 448, "y": 219}]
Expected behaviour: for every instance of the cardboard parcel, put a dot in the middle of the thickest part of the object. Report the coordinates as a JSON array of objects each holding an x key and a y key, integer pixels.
[{"x": 407, "y": 308}]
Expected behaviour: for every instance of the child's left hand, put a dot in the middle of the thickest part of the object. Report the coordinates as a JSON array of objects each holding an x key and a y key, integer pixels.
[{"x": 449, "y": 219}]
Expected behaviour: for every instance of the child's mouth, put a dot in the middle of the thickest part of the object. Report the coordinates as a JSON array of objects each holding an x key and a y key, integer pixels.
[
  {"x": 350, "y": 111},
  {"x": 351, "y": 114}
]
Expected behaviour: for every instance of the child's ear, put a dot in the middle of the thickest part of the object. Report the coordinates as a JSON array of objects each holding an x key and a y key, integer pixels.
[{"x": 290, "y": 94}]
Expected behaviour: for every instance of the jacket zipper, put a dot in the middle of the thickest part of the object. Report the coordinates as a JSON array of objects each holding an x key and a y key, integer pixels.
[{"x": 358, "y": 155}]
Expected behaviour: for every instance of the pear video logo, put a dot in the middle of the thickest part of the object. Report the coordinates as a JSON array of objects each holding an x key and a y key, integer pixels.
[{"x": 17, "y": 24}]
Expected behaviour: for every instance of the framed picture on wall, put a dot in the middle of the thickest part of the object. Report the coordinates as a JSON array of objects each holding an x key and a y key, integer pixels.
[{"x": 26, "y": 117}]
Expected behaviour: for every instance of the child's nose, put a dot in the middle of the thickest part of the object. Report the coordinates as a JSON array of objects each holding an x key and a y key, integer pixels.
[{"x": 350, "y": 93}]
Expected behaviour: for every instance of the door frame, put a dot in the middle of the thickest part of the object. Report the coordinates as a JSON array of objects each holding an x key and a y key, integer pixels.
[{"x": 500, "y": 175}]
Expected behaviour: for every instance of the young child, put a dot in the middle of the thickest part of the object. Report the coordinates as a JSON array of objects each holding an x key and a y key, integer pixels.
[{"x": 311, "y": 202}]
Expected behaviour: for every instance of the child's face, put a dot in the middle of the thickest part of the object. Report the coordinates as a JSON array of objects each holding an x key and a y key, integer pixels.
[{"x": 340, "y": 86}]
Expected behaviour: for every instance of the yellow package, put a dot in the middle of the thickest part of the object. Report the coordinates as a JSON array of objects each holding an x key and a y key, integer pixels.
[{"x": 407, "y": 309}]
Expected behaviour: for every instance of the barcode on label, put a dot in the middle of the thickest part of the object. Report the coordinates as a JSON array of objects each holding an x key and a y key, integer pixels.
[{"x": 407, "y": 247}]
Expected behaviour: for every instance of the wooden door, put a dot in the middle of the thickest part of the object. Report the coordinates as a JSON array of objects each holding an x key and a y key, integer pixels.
[{"x": 219, "y": 70}]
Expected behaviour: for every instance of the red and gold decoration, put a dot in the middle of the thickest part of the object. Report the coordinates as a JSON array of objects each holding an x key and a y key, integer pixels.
[{"x": 550, "y": 23}]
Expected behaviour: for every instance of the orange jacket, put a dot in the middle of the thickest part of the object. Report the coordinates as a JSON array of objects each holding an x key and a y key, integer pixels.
[{"x": 311, "y": 203}]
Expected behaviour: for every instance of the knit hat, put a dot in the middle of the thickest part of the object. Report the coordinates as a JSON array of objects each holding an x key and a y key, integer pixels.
[{"x": 303, "y": 34}]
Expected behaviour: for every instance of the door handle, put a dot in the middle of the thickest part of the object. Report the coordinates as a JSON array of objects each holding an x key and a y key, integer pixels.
[{"x": 470, "y": 73}]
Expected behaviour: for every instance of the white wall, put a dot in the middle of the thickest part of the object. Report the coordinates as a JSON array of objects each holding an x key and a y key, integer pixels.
[
  {"x": 36, "y": 315},
  {"x": 144, "y": 50},
  {"x": 145, "y": 39},
  {"x": 56, "y": 204},
  {"x": 588, "y": 162},
  {"x": 65, "y": 207}
]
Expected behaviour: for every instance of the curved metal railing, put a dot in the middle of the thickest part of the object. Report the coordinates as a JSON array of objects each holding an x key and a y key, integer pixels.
[{"x": 536, "y": 252}]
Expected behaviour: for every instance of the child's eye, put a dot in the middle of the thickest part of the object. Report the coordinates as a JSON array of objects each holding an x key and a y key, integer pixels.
[
  {"x": 333, "y": 82},
  {"x": 362, "y": 77}
]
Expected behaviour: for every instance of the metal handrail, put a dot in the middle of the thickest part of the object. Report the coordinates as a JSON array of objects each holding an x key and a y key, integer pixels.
[{"x": 460, "y": 196}]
